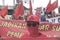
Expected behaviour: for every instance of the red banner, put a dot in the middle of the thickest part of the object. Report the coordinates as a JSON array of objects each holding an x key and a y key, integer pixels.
[
  {"x": 15, "y": 29},
  {"x": 50, "y": 29},
  {"x": 12, "y": 29}
]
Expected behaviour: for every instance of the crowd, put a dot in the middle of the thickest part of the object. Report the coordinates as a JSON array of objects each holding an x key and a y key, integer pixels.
[{"x": 41, "y": 13}]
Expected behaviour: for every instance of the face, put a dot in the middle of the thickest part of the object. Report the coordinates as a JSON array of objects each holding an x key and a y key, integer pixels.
[{"x": 32, "y": 26}]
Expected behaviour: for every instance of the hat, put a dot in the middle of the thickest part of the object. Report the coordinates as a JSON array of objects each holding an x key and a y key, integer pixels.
[{"x": 33, "y": 18}]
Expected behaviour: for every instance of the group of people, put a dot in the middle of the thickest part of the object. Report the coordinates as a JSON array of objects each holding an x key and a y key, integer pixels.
[
  {"x": 12, "y": 17},
  {"x": 32, "y": 27}
]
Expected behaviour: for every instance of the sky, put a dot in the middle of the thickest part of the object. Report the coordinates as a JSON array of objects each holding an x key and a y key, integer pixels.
[
  {"x": 44, "y": 3},
  {"x": 41, "y": 3},
  {"x": 35, "y": 3}
]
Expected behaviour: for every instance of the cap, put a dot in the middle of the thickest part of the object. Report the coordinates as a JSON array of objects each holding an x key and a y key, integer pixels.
[{"x": 33, "y": 18}]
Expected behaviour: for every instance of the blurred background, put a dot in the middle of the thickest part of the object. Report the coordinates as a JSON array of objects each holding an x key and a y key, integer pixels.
[{"x": 40, "y": 8}]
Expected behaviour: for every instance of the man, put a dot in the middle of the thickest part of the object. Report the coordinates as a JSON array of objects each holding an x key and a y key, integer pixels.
[
  {"x": 9, "y": 17},
  {"x": 32, "y": 26},
  {"x": 1, "y": 17}
]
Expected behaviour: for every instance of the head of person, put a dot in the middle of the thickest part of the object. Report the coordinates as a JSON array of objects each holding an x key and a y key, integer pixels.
[{"x": 33, "y": 24}]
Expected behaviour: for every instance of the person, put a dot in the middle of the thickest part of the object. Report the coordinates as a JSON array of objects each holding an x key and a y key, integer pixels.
[
  {"x": 9, "y": 17},
  {"x": 1, "y": 17},
  {"x": 32, "y": 27},
  {"x": 20, "y": 18}
]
